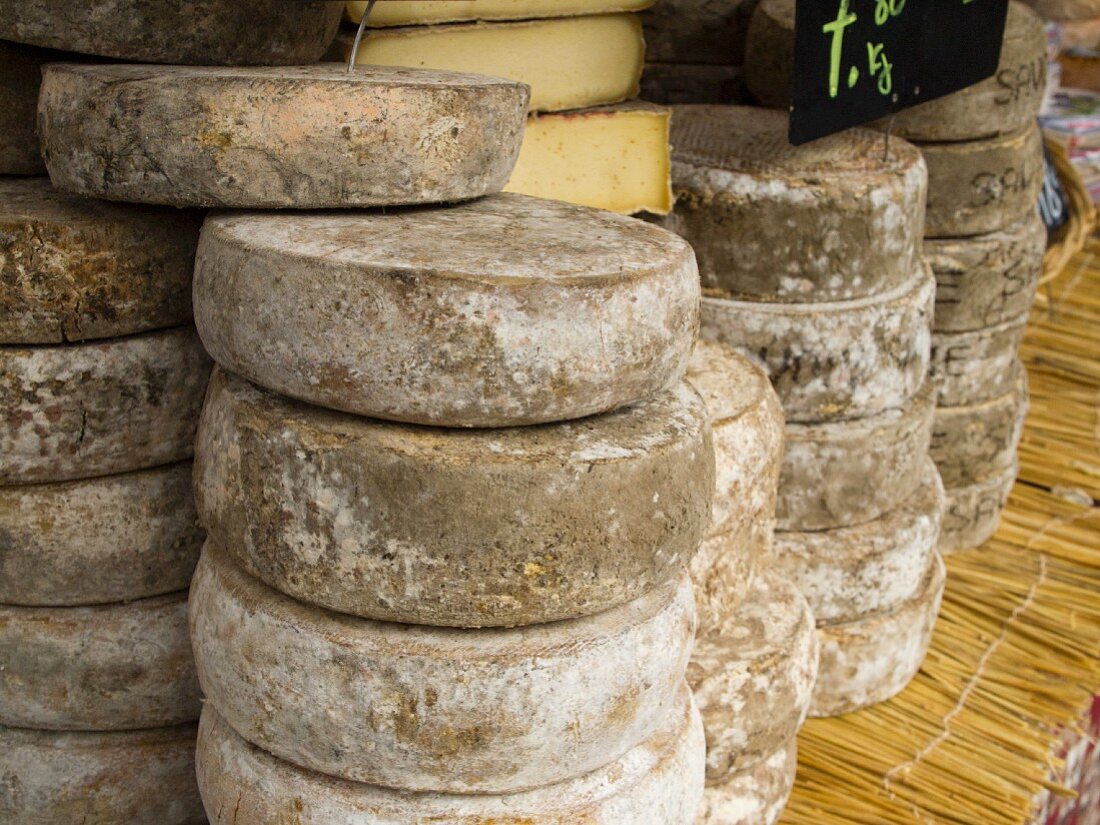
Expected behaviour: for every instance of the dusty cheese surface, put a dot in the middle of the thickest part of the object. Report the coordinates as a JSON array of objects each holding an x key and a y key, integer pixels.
[
  {"x": 974, "y": 511},
  {"x": 754, "y": 796},
  {"x": 20, "y": 77},
  {"x": 976, "y": 366}
]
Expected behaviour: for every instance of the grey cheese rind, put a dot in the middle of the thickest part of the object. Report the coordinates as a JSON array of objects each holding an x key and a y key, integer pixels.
[
  {"x": 436, "y": 709},
  {"x": 976, "y": 366},
  {"x": 303, "y": 137},
  {"x": 508, "y": 310},
  {"x": 740, "y": 188},
  {"x": 84, "y": 410},
  {"x": 660, "y": 780},
  {"x": 100, "y": 540},
  {"x": 20, "y": 77},
  {"x": 973, "y": 512},
  {"x": 192, "y": 32},
  {"x": 769, "y": 53},
  {"x": 835, "y": 361},
  {"x": 409, "y": 524},
  {"x": 754, "y": 796}
]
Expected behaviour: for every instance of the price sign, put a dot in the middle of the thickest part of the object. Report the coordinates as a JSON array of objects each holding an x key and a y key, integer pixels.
[{"x": 860, "y": 60}]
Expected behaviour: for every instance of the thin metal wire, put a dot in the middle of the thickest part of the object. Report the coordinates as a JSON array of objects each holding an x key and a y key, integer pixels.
[{"x": 359, "y": 36}]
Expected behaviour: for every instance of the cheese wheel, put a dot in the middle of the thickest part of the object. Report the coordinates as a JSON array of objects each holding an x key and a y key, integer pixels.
[
  {"x": 678, "y": 83},
  {"x": 988, "y": 279},
  {"x": 507, "y": 310},
  {"x": 973, "y": 512},
  {"x": 112, "y": 667},
  {"x": 83, "y": 410},
  {"x": 700, "y": 31},
  {"x": 304, "y": 137},
  {"x": 98, "y": 541},
  {"x": 851, "y": 572},
  {"x": 981, "y": 186},
  {"x": 409, "y": 524},
  {"x": 769, "y": 53},
  {"x": 177, "y": 31},
  {"x": 872, "y": 659},
  {"x": 833, "y": 220},
  {"x": 976, "y": 366},
  {"x": 436, "y": 709},
  {"x": 842, "y": 473},
  {"x": 753, "y": 677},
  {"x": 1065, "y": 9},
  {"x": 659, "y": 781},
  {"x": 72, "y": 269},
  {"x": 834, "y": 361},
  {"x": 143, "y": 777},
  {"x": 755, "y": 796},
  {"x": 20, "y": 77},
  {"x": 426, "y": 12}
]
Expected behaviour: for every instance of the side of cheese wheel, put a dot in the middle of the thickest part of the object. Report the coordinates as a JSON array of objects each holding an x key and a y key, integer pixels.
[
  {"x": 754, "y": 796},
  {"x": 436, "y": 709},
  {"x": 100, "y": 540},
  {"x": 503, "y": 311},
  {"x": 981, "y": 186},
  {"x": 976, "y": 366},
  {"x": 849, "y": 573},
  {"x": 769, "y": 53},
  {"x": 673, "y": 84},
  {"x": 191, "y": 32},
  {"x": 988, "y": 279},
  {"x": 20, "y": 77},
  {"x": 697, "y": 31},
  {"x": 973, "y": 512},
  {"x": 72, "y": 269},
  {"x": 141, "y": 777},
  {"x": 660, "y": 780},
  {"x": 1065, "y": 9},
  {"x": 775, "y": 222},
  {"x": 112, "y": 667},
  {"x": 834, "y": 361},
  {"x": 723, "y": 570},
  {"x": 82, "y": 410},
  {"x": 872, "y": 659},
  {"x": 421, "y": 12},
  {"x": 302, "y": 137},
  {"x": 842, "y": 473},
  {"x": 409, "y": 524}
]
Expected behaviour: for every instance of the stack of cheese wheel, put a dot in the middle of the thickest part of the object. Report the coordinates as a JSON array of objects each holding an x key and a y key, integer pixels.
[
  {"x": 587, "y": 141},
  {"x": 809, "y": 262}
]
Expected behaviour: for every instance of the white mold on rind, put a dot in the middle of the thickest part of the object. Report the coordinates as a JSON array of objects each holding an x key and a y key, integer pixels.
[
  {"x": 974, "y": 512},
  {"x": 974, "y": 367},
  {"x": 756, "y": 795}
]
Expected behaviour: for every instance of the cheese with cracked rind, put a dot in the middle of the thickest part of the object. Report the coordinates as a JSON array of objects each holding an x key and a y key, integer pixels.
[
  {"x": 978, "y": 365},
  {"x": 303, "y": 137},
  {"x": 508, "y": 310},
  {"x": 973, "y": 512},
  {"x": 20, "y": 77},
  {"x": 436, "y": 709},
  {"x": 754, "y": 796},
  {"x": 421, "y": 12}
]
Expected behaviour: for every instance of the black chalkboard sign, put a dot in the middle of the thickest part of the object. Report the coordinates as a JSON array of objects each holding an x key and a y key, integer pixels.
[{"x": 859, "y": 60}]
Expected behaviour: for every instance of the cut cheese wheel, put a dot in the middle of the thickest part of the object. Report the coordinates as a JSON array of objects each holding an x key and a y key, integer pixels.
[
  {"x": 112, "y": 667},
  {"x": 568, "y": 62},
  {"x": 660, "y": 781},
  {"x": 981, "y": 186},
  {"x": 83, "y": 410},
  {"x": 979, "y": 441},
  {"x": 848, "y": 359},
  {"x": 436, "y": 709},
  {"x": 755, "y": 796},
  {"x": 829, "y": 221},
  {"x": 988, "y": 279},
  {"x": 98, "y": 541},
  {"x": 852, "y": 572},
  {"x": 72, "y": 269},
  {"x": 20, "y": 77},
  {"x": 679, "y": 83},
  {"x": 144, "y": 777},
  {"x": 421, "y": 12},
  {"x": 301, "y": 137},
  {"x": 177, "y": 31},
  {"x": 754, "y": 676},
  {"x": 507, "y": 310},
  {"x": 769, "y": 53},
  {"x": 611, "y": 157},
  {"x": 972, "y": 367},
  {"x": 842, "y": 473},
  {"x": 872, "y": 659},
  {"x": 974, "y": 512},
  {"x": 700, "y": 31}
]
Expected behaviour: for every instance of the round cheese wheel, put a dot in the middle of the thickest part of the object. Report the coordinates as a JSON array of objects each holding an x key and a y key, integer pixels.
[
  {"x": 755, "y": 796},
  {"x": 177, "y": 31},
  {"x": 82, "y": 410},
  {"x": 872, "y": 659},
  {"x": 507, "y": 310},
  {"x": 112, "y": 667},
  {"x": 20, "y": 77},
  {"x": 848, "y": 573},
  {"x": 436, "y": 709},
  {"x": 73, "y": 269},
  {"x": 1065, "y": 9},
  {"x": 973, "y": 512},
  {"x": 971, "y": 367},
  {"x": 697, "y": 31},
  {"x": 465, "y": 528},
  {"x": 142, "y": 777},
  {"x": 833, "y": 361},
  {"x": 769, "y": 53},
  {"x": 988, "y": 279},
  {"x": 675, "y": 83},
  {"x": 754, "y": 676},
  {"x": 304, "y": 137},
  {"x": 981, "y": 186},
  {"x": 842, "y": 473},
  {"x": 98, "y": 541},
  {"x": 741, "y": 187},
  {"x": 660, "y": 780}
]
